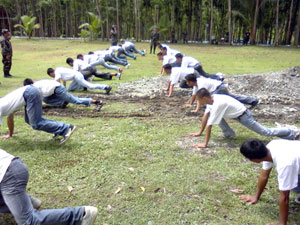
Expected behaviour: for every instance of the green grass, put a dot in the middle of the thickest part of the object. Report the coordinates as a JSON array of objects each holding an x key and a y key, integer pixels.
[{"x": 159, "y": 182}]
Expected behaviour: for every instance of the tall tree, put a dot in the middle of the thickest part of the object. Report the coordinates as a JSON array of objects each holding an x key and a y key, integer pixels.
[
  {"x": 276, "y": 40},
  {"x": 229, "y": 22},
  {"x": 288, "y": 34},
  {"x": 296, "y": 39},
  {"x": 211, "y": 20},
  {"x": 254, "y": 28}
]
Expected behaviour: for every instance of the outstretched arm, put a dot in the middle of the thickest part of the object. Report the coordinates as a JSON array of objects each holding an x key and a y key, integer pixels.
[
  {"x": 203, "y": 125},
  {"x": 207, "y": 138},
  {"x": 10, "y": 124},
  {"x": 198, "y": 106},
  {"x": 262, "y": 182}
]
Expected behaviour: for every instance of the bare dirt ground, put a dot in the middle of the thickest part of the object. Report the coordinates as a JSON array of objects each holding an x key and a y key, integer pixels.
[{"x": 278, "y": 93}]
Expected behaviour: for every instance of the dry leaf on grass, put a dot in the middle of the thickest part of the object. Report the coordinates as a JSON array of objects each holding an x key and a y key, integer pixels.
[
  {"x": 118, "y": 190},
  {"x": 237, "y": 191},
  {"x": 70, "y": 188}
]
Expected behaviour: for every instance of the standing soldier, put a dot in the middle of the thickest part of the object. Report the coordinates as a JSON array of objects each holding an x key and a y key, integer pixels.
[
  {"x": 114, "y": 35},
  {"x": 6, "y": 52},
  {"x": 154, "y": 40}
]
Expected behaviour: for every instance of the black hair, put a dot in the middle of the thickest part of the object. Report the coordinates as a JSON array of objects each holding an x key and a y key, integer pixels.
[
  {"x": 159, "y": 54},
  {"x": 191, "y": 77},
  {"x": 50, "y": 70},
  {"x": 79, "y": 56},
  {"x": 27, "y": 81},
  {"x": 254, "y": 148},
  {"x": 165, "y": 48},
  {"x": 90, "y": 53},
  {"x": 69, "y": 60},
  {"x": 203, "y": 92},
  {"x": 179, "y": 55},
  {"x": 167, "y": 66}
]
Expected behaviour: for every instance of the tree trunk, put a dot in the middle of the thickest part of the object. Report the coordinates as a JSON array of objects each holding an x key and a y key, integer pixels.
[
  {"x": 229, "y": 22},
  {"x": 200, "y": 21},
  {"x": 118, "y": 20},
  {"x": 211, "y": 20},
  {"x": 288, "y": 34},
  {"x": 100, "y": 17},
  {"x": 296, "y": 39},
  {"x": 54, "y": 31},
  {"x": 253, "y": 33},
  {"x": 276, "y": 41}
]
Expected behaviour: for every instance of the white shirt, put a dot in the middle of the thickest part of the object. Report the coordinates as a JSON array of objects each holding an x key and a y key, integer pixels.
[
  {"x": 79, "y": 65},
  {"x": 65, "y": 74},
  {"x": 102, "y": 53},
  {"x": 286, "y": 158},
  {"x": 170, "y": 51},
  {"x": 46, "y": 86},
  {"x": 114, "y": 48},
  {"x": 179, "y": 74},
  {"x": 127, "y": 44},
  {"x": 168, "y": 59},
  {"x": 89, "y": 59},
  {"x": 225, "y": 107},
  {"x": 207, "y": 83},
  {"x": 12, "y": 102},
  {"x": 5, "y": 160},
  {"x": 188, "y": 61}
]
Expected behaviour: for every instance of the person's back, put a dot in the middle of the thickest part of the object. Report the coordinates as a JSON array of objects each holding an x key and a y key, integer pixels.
[
  {"x": 207, "y": 83},
  {"x": 188, "y": 61},
  {"x": 65, "y": 73},
  {"x": 46, "y": 86},
  {"x": 179, "y": 74}
]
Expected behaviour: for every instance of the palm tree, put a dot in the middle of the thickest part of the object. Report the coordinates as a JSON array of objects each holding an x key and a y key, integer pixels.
[
  {"x": 253, "y": 34},
  {"x": 229, "y": 21},
  {"x": 277, "y": 24},
  {"x": 28, "y": 25},
  {"x": 93, "y": 27}
]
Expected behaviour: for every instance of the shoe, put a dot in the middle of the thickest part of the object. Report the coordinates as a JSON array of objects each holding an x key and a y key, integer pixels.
[
  {"x": 297, "y": 200},
  {"x": 90, "y": 214},
  {"x": 68, "y": 134},
  {"x": 91, "y": 78},
  {"x": 227, "y": 136},
  {"x": 297, "y": 135},
  {"x": 118, "y": 76},
  {"x": 127, "y": 66},
  {"x": 108, "y": 89},
  {"x": 134, "y": 58},
  {"x": 55, "y": 136},
  {"x": 64, "y": 105},
  {"x": 144, "y": 52},
  {"x": 36, "y": 203},
  {"x": 254, "y": 104},
  {"x": 120, "y": 70},
  {"x": 99, "y": 105},
  {"x": 8, "y": 76}
]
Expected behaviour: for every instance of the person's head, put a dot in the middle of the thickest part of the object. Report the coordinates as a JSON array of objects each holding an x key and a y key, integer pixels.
[
  {"x": 91, "y": 53},
  {"x": 254, "y": 150},
  {"x": 80, "y": 56},
  {"x": 6, "y": 33},
  {"x": 179, "y": 57},
  {"x": 122, "y": 41},
  {"x": 70, "y": 61},
  {"x": 204, "y": 96},
  {"x": 168, "y": 68},
  {"x": 191, "y": 80},
  {"x": 159, "y": 46},
  {"x": 50, "y": 72},
  {"x": 27, "y": 81},
  {"x": 160, "y": 56},
  {"x": 164, "y": 50}
]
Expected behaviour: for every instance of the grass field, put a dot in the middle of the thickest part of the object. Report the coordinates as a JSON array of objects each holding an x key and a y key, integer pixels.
[{"x": 131, "y": 168}]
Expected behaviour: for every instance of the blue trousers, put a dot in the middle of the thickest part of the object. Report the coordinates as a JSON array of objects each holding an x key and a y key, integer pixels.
[
  {"x": 248, "y": 121},
  {"x": 15, "y": 200},
  {"x": 297, "y": 189},
  {"x": 61, "y": 95},
  {"x": 79, "y": 83},
  {"x": 101, "y": 61},
  {"x": 122, "y": 51},
  {"x": 132, "y": 48},
  {"x": 33, "y": 114}
]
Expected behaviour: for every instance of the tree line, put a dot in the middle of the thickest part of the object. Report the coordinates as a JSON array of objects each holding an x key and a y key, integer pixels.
[{"x": 268, "y": 21}]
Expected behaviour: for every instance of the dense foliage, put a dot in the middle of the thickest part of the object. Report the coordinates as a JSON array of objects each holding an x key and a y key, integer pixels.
[{"x": 268, "y": 21}]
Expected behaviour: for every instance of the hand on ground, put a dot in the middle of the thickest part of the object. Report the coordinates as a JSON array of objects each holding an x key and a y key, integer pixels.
[
  {"x": 195, "y": 134},
  {"x": 187, "y": 105},
  {"x": 273, "y": 224},
  {"x": 248, "y": 198},
  {"x": 166, "y": 89},
  {"x": 6, "y": 136},
  {"x": 201, "y": 145},
  {"x": 194, "y": 111}
]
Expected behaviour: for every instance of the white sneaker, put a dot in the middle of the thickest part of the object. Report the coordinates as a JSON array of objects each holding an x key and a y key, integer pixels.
[
  {"x": 90, "y": 215},
  {"x": 127, "y": 66},
  {"x": 297, "y": 200},
  {"x": 119, "y": 76},
  {"x": 68, "y": 135}
]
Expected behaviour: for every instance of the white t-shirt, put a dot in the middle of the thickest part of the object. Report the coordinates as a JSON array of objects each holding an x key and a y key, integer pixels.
[
  {"x": 127, "y": 44},
  {"x": 179, "y": 74},
  {"x": 207, "y": 83},
  {"x": 65, "y": 74},
  {"x": 5, "y": 160},
  {"x": 168, "y": 59},
  {"x": 89, "y": 59},
  {"x": 225, "y": 107},
  {"x": 12, "y": 102},
  {"x": 114, "y": 48},
  {"x": 79, "y": 65},
  {"x": 46, "y": 86},
  {"x": 188, "y": 61},
  {"x": 286, "y": 158},
  {"x": 170, "y": 51},
  {"x": 102, "y": 53}
]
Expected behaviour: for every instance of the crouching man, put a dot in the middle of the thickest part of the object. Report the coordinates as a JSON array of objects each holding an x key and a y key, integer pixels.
[
  {"x": 285, "y": 156},
  {"x": 14, "y": 199}
]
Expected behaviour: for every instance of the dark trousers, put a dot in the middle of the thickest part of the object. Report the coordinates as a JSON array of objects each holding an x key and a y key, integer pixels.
[
  {"x": 153, "y": 45},
  {"x": 87, "y": 73},
  {"x": 199, "y": 68},
  {"x": 6, "y": 64}
]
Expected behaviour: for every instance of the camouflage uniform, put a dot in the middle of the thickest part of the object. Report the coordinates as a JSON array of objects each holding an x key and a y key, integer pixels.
[{"x": 6, "y": 56}]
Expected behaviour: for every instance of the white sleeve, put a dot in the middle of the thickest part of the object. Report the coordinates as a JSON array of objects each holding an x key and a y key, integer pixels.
[
  {"x": 76, "y": 65},
  {"x": 267, "y": 165},
  {"x": 195, "y": 89},
  {"x": 184, "y": 63},
  {"x": 216, "y": 115},
  {"x": 165, "y": 60},
  {"x": 57, "y": 75}
]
